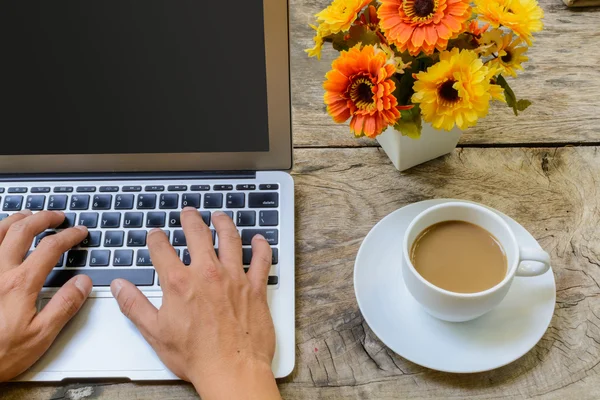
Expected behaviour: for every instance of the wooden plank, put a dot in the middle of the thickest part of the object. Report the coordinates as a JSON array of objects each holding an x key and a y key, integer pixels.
[
  {"x": 562, "y": 79},
  {"x": 341, "y": 194}
]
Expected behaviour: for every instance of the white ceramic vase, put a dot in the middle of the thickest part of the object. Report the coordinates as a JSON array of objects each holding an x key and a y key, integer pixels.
[{"x": 405, "y": 152}]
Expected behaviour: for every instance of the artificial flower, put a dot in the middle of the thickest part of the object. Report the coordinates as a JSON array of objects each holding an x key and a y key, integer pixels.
[
  {"x": 359, "y": 88},
  {"x": 423, "y": 25},
  {"x": 455, "y": 91},
  {"x": 523, "y": 17},
  {"x": 475, "y": 29},
  {"x": 508, "y": 51},
  {"x": 338, "y": 17}
]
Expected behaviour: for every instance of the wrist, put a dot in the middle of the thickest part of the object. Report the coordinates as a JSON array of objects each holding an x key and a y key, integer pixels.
[{"x": 247, "y": 380}]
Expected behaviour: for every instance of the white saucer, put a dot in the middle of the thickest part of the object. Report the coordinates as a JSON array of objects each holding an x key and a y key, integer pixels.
[{"x": 491, "y": 341}]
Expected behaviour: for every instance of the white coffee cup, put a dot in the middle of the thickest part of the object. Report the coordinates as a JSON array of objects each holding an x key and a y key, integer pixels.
[{"x": 458, "y": 307}]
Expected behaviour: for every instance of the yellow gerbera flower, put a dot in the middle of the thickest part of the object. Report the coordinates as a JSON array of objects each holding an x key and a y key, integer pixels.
[
  {"x": 338, "y": 17},
  {"x": 508, "y": 50},
  {"x": 456, "y": 90},
  {"x": 523, "y": 17}
]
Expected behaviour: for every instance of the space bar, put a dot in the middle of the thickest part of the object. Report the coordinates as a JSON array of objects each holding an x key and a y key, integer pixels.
[{"x": 102, "y": 277}]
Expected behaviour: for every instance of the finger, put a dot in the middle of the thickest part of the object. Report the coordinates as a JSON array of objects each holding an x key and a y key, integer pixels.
[
  {"x": 135, "y": 306},
  {"x": 162, "y": 254},
  {"x": 198, "y": 236},
  {"x": 7, "y": 222},
  {"x": 230, "y": 243},
  {"x": 260, "y": 264},
  {"x": 64, "y": 305},
  {"x": 48, "y": 252},
  {"x": 21, "y": 233}
]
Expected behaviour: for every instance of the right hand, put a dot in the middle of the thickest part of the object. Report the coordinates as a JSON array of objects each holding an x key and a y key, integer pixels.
[{"x": 214, "y": 328}]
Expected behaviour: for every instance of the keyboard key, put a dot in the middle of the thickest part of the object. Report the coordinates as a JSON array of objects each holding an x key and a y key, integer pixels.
[
  {"x": 187, "y": 259},
  {"x": 190, "y": 200},
  {"x": 245, "y": 187},
  {"x": 12, "y": 203},
  {"x": 113, "y": 238},
  {"x": 123, "y": 258},
  {"x": 35, "y": 203},
  {"x": 273, "y": 280},
  {"x": 57, "y": 202},
  {"x": 132, "y": 188},
  {"x": 205, "y": 217},
  {"x": 223, "y": 187},
  {"x": 68, "y": 222},
  {"x": 133, "y": 220},
  {"x": 229, "y": 214},
  {"x": 85, "y": 189},
  {"x": 200, "y": 188},
  {"x": 213, "y": 200},
  {"x": 177, "y": 188},
  {"x": 1, "y": 190},
  {"x": 167, "y": 232},
  {"x": 246, "y": 218},
  {"x": 136, "y": 238},
  {"x": 214, "y": 235},
  {"x": 146, "y": 201},
  {"x": 247, "y": 256},
  {"x": 179, "y": 238},
  {"x": 88, "y": 219},
  {"x": 102, "y": 202},
  {"x": 17, "y": 190},
  {"x": 268, "y": 186},
  {"x": 3, "y": 216},
  {"x": 80, "y": 202},
  {"x": 76, "y": 258},
  {"x": 63, "y": 189},
  {"x": 263, "y": 200},
  {"x": 93, "y": 239},
  {"x": 110, "y": 220},
  {"x": 124, "y": 202},
  {"x": 168, "y": 201},
  {"x": 236, "y": 200},
  {"x": 103, "y": 277},
  {"x": 60, "y": 262},
  {"x": 42, "y": 235},
  {"x": 174, "y": 219},
  {"x": 99, "y": 258},
  {"x": 155, "y": 188},
  {"x": 268, "y": 218},
  {"x": 143, "y": 258},
  {"x": 155, "y": 219},
  {"x": 39, "y": 189},
  {"x": 272, "y": 235},
  {"x": 107, "y": 189}
]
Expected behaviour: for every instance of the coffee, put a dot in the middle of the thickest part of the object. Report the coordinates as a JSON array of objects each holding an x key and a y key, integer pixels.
[{"x": 459, "y": 257}]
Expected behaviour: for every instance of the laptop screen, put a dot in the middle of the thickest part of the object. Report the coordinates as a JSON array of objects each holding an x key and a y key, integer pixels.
[{"x": 132, "y": 76}]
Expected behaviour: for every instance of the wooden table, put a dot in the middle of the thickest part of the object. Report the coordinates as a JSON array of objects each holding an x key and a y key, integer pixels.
[{"x": 542, "y": 168}]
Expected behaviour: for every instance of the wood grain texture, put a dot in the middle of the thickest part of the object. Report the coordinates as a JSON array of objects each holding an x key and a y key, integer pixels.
[
  {"x": 562, "y": 79},
  {"x": 341, "y": 194}
]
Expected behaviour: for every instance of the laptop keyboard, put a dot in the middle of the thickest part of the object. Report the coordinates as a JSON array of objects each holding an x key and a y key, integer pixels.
[{"x": 119, "y": 218}]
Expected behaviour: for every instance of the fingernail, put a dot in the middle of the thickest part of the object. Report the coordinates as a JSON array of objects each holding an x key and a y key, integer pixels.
[
  {"x": 218, "y": 213},
  {"x": 155, "y": 230},
  {"x": 188, "y": 209},
  {"x": 115, "y": 288},
  {"x": 62, "y": 214},
  {"x": 82, "y": 228},
  {"x": 81, "y": 286},
  {"x": 25, "y": 212},
  {"x": 258, "y": 236}
]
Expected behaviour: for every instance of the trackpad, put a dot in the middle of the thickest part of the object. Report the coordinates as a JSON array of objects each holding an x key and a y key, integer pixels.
[{"x": 99, "y": 339}]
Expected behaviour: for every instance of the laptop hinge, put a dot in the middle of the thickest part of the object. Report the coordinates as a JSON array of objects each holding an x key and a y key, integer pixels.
[{"x": 113, "y": 176}]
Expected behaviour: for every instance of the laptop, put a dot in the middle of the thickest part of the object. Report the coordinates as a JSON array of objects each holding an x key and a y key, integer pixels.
[{"x": 122, "y": 112}]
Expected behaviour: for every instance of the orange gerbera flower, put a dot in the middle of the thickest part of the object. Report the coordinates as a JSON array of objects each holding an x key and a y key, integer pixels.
[
  {"x": 359, "y": 87},
  {"x": 423, "y": 25}
]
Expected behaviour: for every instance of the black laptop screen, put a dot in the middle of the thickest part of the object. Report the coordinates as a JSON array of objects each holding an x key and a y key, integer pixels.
[{"x": 132, "y": 76}]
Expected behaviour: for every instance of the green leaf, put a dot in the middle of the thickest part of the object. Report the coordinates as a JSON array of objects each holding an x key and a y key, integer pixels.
[
  {"x": 410, "y": 123},
  {"x": 511, "y": 98},
  {"x": 404, "y": 88}
]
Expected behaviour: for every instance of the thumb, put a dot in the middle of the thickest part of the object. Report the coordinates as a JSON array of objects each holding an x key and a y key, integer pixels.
[
  {"x": 135, "y": 306},
  {"x": 65, "y": 304}
]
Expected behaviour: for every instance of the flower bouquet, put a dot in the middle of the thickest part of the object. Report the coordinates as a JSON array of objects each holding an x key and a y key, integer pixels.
[{"x": 407, "y": 66}]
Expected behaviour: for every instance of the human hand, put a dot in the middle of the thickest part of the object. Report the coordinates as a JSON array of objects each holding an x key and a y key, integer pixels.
[
  {"x": 214, "y": 328},
  {"x": 25, "y": 335}
]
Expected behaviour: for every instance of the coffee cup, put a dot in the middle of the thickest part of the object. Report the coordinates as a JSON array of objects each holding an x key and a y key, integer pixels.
[{"x": 458, "y": 307}]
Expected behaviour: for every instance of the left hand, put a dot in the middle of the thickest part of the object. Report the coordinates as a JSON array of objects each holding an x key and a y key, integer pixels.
[{"x": 26, "y": 335}]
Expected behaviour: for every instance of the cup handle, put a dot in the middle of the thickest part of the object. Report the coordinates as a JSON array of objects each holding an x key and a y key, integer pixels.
[{"x": 532, "y": 254}]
